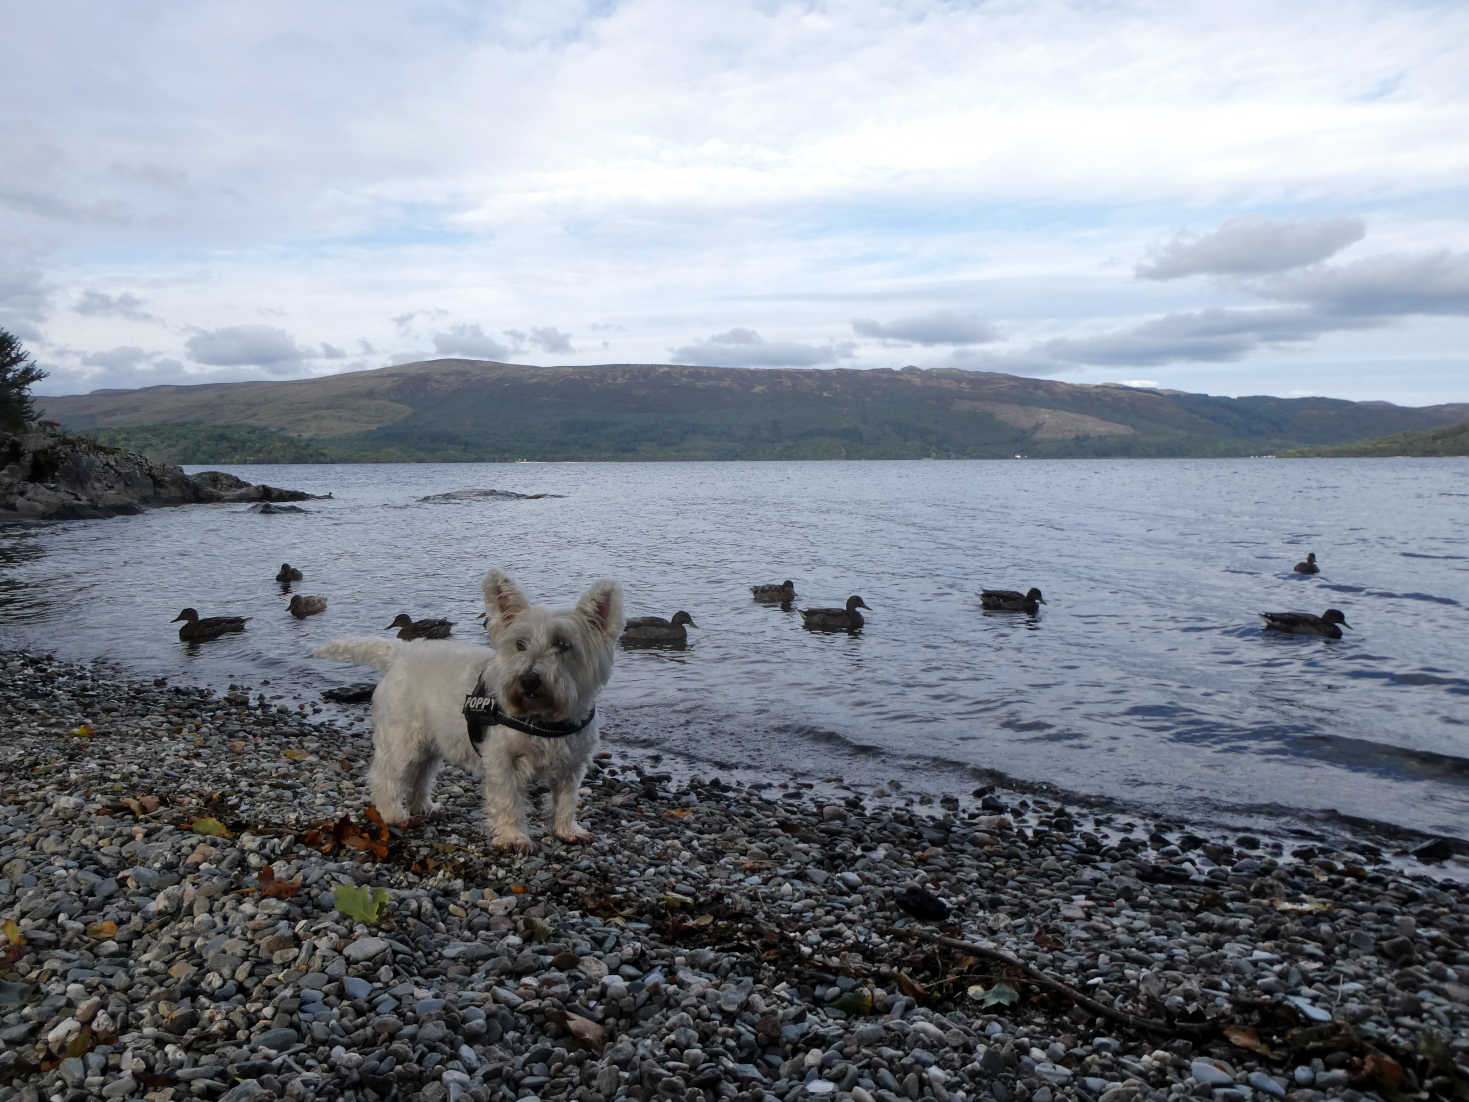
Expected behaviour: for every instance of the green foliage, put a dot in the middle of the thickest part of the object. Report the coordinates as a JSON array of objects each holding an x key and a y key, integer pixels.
[
  {"x": 17, "y": 372},
  {"x": 361, "y": 903},
  {"x": 204, "y": 443},
  {"x": 1449, "y": 440}
]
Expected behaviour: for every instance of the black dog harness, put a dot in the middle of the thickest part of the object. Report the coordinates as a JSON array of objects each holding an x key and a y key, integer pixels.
[{"x": 482, "y": 711}]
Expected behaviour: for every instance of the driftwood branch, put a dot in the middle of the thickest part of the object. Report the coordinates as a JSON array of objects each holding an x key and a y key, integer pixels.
[{"x": 1049, "y": 983}]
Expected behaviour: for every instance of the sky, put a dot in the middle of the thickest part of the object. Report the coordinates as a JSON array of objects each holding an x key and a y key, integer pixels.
[{"x": 1228, "y": 198}]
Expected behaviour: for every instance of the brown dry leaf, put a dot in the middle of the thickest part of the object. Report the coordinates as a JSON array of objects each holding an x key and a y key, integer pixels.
[
  {"x": 102, "y": 930},
  {"x": 295, "y": 755},
  {"x": 272, "y": 888},
  {"x": 587, "y": 1032},
  {"x": 1384, "y": 1069},
  {"x": 1245, "y": 1037},
  {"x": 518, "y": 889},
  {"x": 237, "y": 747},
  {"x": 678, "y": 813},
  {"x": 422, "y": 865},
  {"x": 911, "y": 987},
  {"x": 702, "y": 920}
]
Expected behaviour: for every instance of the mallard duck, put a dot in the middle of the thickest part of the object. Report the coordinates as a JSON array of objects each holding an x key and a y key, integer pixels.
[
  {"x": 302, "y": 606},
  {"x": 835, "y": 619},
  {"x": 1010, "y": 600},
  {"x": 195, "y": 630},
  {"x": 409, "y": 628},
  {"x": 1309, "y": 566},
  {"x": 288, "y": 573},
  {"x": 1303, "y": 623},
  {"x": 656, "y": 631},
  {"x": 784, "y": 592}
]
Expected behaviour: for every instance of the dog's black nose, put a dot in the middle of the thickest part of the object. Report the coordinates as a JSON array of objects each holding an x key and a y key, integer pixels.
[{"x": 530, "y": 683}]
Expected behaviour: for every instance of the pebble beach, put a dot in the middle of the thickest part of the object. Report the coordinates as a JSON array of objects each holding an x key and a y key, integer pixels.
[{"x": 196, "y": 902}]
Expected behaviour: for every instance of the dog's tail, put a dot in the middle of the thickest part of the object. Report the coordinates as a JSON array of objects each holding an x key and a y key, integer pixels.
[{"x": 363, "y": 650}]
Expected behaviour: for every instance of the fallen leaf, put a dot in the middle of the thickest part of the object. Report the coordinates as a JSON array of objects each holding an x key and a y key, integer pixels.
[
  {"x": 911, "y": 987},
  {"x": 211, "y": 827},
  {"x": 518, "y": 889},
  {"x": 237, "y": 747},
  {"x": 102, "y": 930},
  {"x": 1001, "y": 993},
  {"x": 295, "y": 755},
  {"x": 1383, "y": 1068},
  {"x": 1245, "y": 1037},
  {"x": 272, "y": 888},
  {"x": 678, "y": 813},
  {"x": 11, "y": 929},
  {"x": 82, "y": 731},
  {"x": 359, "y": 903}
]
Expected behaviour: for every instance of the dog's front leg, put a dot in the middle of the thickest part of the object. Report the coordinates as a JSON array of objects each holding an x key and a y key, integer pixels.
[
  {"x": 505, "y": 800},
  {"x": 564, "y": 788}
]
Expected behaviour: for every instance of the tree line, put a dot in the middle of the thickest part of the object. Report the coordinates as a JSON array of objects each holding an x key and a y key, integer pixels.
[{"x": 17, "y": 373}]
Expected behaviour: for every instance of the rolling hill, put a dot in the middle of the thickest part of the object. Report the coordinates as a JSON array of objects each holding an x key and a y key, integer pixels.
[
  {"x": 1449, "y": 440},
  {"x": 456, "y": 409}
]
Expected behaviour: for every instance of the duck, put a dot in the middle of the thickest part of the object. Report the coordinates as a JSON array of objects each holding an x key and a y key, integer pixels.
[
  {"x": 302, "y": 606},
  {"x": 656, "y": 631},
  {"x": 409, "y": 628},
  {"x": 288, "y": 573},
  {"x": 783, "y": 592},
  {"x": 195, "y": 630},
  {"x": 1303, "y": 623},
  {"x": 835, "y": 619},
  {"x": 1309, "y": 566},
  {"x": 1011, "y": 600}
]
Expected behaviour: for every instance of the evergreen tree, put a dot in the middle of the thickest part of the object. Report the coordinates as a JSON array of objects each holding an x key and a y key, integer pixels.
[{"x": 17, "y": 372}]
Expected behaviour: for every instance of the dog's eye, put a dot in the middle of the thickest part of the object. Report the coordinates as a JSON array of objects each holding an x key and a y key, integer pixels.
[
  {"x": 561, "y": 646},
  {"x": 520, "y": 644}
]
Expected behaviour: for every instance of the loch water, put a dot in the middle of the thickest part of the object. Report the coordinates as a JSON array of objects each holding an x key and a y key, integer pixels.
[{"x": 1145, "y": 679}]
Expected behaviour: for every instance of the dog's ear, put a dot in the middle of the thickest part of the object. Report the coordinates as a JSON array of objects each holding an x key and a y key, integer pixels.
[
  {"x": 601, "y": 607},
  {"x": 503, "y": 599}
]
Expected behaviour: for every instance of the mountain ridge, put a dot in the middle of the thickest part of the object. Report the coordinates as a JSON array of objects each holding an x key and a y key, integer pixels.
[{"x": 461, "y": 409}]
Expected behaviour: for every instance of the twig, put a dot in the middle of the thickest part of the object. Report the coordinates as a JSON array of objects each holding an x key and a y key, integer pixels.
[{"x": 1040, "y": 979}]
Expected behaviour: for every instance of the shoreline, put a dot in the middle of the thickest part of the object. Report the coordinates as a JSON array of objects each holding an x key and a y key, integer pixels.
[{"x": 713, "y": 941}]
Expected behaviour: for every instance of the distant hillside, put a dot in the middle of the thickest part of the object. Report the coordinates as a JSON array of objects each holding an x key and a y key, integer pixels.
[
  {"x": 474, "y": 410},
  {"x": 1450, "y": 440}
]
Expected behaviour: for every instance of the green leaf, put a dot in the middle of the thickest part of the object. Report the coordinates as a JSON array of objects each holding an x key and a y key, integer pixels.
[
  {"x": 361, "y": 903},
  {"x": 1000, "y": 993},
  {"x": 212, "y": 827}
]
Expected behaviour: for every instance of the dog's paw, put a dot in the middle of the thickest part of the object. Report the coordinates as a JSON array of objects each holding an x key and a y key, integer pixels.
[
  {"x": 513, "y": 843},
  {"x": 577, "y": 834}
]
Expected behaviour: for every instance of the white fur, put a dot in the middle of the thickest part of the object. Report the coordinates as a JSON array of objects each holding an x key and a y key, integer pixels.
[{"x": 546, "y": 665}]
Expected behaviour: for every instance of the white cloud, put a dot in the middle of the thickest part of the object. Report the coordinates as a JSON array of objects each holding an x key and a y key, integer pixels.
[
  {"x": 470, "y": 341},
  {"x": 1429, "y": 283},
  {"x": 747, "y": 348},
  {"x": 939, "y": 327},
  {"x": 125, "y": 305},
  {"x": 1251, "y": 246},
  {"x": 261, "y": 346}
]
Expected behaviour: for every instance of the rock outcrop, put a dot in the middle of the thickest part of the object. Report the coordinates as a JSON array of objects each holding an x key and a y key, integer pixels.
[{"x": 49, "y": 474}]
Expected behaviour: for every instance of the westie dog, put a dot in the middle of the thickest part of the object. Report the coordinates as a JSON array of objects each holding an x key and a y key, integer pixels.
[{"x": 520, "y": 712}]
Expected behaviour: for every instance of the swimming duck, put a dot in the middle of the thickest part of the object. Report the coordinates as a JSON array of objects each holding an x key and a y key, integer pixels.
[
  {"x": 835, "y": 619},
  {"x": 1309, "y": 566},
  {"x": 1010, "y": 600},
  {"x": 288, "y": 573},
  {"x": 656, "y": 631},
  {"x": 420, "y": 629},
  {"x": 783, "y": 592},
  {"x": 302, "y": 607},
  {"x": 1303, "y": 623},
  {"x": 195, "y": 630}
]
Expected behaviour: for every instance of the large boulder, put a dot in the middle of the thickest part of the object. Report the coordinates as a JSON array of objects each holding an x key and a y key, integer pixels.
[{"x": 49, "y": 474}]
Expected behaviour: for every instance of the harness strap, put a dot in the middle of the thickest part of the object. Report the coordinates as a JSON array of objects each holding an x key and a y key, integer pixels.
[{"x": 482, "y": 711}]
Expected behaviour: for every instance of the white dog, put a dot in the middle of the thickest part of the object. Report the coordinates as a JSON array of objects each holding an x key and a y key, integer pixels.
[{"x": 522, "y": 711}]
